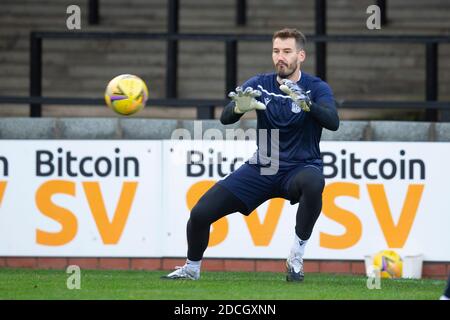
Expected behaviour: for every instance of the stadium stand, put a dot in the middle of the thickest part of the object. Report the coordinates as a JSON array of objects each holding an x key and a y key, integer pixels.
[{"x": 356, "y": 71}]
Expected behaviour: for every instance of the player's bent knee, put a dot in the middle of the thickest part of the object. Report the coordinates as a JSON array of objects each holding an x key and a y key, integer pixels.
[
  {"x": 315, "y": 186},
  {"x": 198, "y": 216},
  {"x": 308, "y": 184}
]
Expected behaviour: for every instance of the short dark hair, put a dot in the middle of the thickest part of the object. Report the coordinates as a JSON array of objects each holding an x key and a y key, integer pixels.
[{"x": 286, "y": 33}]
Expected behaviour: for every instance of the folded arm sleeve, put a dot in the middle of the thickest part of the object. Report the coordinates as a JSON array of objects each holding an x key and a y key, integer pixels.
[
  {"x": 228, "y": 115},
  {"x": 326, "y": 114},
  {"x": 324, "y": 108}
]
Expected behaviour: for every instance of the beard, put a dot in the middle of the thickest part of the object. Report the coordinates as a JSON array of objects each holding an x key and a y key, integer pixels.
[{"x": 285, "y": 71}]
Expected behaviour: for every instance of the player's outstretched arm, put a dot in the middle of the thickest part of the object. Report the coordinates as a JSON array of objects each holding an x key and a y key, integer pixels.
[
  {"x": 228, "y": 115},
  {"x": 242, "y": 101}
]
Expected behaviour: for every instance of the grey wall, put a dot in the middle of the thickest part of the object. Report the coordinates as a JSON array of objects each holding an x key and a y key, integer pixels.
[{"x": 133, "y": 128}]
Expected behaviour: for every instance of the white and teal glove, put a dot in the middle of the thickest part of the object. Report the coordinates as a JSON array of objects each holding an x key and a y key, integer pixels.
[
  {"x": 245, "y": 100},
  {"x": 300, "y": 97}
]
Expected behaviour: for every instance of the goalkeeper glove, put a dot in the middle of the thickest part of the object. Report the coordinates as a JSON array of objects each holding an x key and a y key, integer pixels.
[
  {"x": 300, "y": 97},
  {"x": 245, "y": 100}
]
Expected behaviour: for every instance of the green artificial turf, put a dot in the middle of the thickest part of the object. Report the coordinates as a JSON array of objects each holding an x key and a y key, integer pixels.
[{"x": 113, "y": 284}]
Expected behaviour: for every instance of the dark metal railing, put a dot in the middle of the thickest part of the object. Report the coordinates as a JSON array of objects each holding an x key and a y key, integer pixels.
[
  {"x": 205, "y": 107},
  {"x": 241, "y": 12},
  {"x": 231, "y": 42},
  {"x": 173, "y": 12},
  {"x": 321, "y": 47},
  {"x": 172, "y": 49},
  {"x": 201, "y": 103},
  {"x": 94, "y": 12},
  {"x": 382, "y": 4},
  {"x": 208, "y": 103}
]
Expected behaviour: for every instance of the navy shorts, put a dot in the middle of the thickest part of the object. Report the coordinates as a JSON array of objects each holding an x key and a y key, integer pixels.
[{"x": 252, "y": 188}]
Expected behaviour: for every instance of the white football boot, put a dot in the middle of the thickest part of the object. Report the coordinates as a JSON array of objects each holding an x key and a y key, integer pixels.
[
  {"x": 184, "y": 273},
  {"x": 294, "y": 265}
]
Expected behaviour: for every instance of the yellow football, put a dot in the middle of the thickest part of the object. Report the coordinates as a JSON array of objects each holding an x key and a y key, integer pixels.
[
  {"x": 126, "y": 94},
  {"x": 389, "y": 263}
]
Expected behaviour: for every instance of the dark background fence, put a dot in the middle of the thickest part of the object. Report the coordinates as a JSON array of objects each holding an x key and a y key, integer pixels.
[
  {"x": 231, "y": 41},
  {"x": 205, "y": 107}
]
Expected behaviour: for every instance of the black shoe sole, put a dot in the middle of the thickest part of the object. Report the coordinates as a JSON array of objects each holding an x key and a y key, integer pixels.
[
  {"x": 290, "y": 278},
  {"x": 173, "y": 279}
]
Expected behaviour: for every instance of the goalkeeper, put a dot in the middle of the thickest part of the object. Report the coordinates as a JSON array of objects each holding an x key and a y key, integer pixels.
[{"x": 296, "y": 104}]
